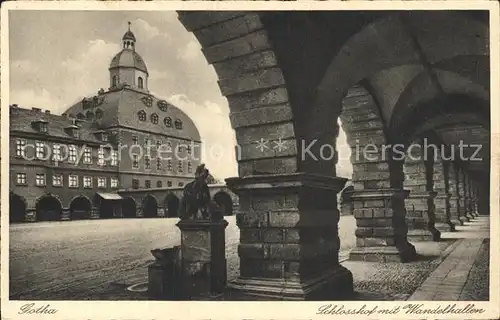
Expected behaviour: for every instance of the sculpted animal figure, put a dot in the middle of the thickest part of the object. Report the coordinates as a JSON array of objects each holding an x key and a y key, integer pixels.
[{"x": 196, "y": 203}]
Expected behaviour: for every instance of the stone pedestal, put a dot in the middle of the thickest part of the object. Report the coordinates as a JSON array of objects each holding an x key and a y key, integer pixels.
[
  {"x": 164, "y": 274},
  {"x": 289, "y": 240},
  {"x": 420, "y": 217},
  {"x": 65, "y": 214},
  {"x": 94, "y": 213},
  {"x": 161, "y": 212},
  {"x": 462, "y": 209},
  {"x": 138, "y": 212},
  {"x": 442, "y": 206},
  {"x": 382, "y": 230},
  {"x": 203, "y": 262}
]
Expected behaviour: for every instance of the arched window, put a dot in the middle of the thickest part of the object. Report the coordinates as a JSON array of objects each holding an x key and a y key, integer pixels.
[
  {"x": 98, "y": 114},
  {"x": 115, "y": 81},
  {"x": 178, "y": 124},
  {"x": 168, "y": 122},
  {"x": 154, "y": 118},
  {"x": 90, "y": 115},
  {"x": 142, "y": 115},
  {"x": 140, "y": 83}
]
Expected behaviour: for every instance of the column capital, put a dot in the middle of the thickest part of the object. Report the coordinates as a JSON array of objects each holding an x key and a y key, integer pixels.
[{"x": 282, "y": 181}]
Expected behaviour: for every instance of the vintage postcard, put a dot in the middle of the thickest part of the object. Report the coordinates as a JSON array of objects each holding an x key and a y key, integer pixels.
[{"x": 250, "y": 160}]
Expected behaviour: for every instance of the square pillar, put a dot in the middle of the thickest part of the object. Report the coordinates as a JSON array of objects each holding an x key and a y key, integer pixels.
[
  {"x": 65, "y": 214},
  {"x": 462, "y": 200},
  {"x": 442, "y": 212},
  {"x": 381, "y": 233},
  {"x": 420, "y": 208},
  {"x": 454, "y": 200},
  {"x": 289, "y": 244}
]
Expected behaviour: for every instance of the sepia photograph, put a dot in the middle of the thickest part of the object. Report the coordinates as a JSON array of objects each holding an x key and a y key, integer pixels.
[{"x": 179, "y": 154}]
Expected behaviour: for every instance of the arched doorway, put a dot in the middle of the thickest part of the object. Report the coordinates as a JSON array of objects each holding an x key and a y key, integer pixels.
[
  {"x": 225, "y": 202},
  {"x": 172, "y": 205},
  {"x": 48, "y": 208},
  {"x": 80, "y": 208},
  {"x": 150, "y": 207},
  {"x": 129, "y": 208},
  {"x": 17, "y": 208}
]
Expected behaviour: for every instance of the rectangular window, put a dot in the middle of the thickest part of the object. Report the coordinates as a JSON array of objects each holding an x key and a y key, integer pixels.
[
  {"x": 100, "y": 157},
  {"x": 135, "y": 183},
  {"x": 158, "y": 164},
  {"x": 159, "y": 184},
  {"x": 43, "y": 127},
  {"x": 104, "y": 137},
  {"x": 87, "y": 155},
  {"x": 73, "y": 181},
  {"x": 147, "y": 162},
  {"x": 169, "y": 146},
  {"x": 20, "y": 148},
  {"x": 114, "y": 183},
  {"x": 147, "y": 141},
  {"x": 179, "y": 166},
  {"x": 114, "y": 157},
  {"x": 158, "y": 144},
  {"x": 147, "y": 184},
  {"x": 40, "y": 179},
  {"x": 87, "y": 182},
  {"x": 21, "y": 178},
  {"x": 135, "y": 161},
  {"x": 56, "y": 152},
  {"x": 135, "y": 140},
  {"x": 169, "y": 165},
  {"x": 72, "y": 154},
  {"x": 101, "y": 182},
  {"x": 57, "y": 180},
  {"x": 169, "y": 183},
  {"x": 190, "y": 167},
  {"x": 188, "y": 149},
  {"x": 40, "y": 150}
]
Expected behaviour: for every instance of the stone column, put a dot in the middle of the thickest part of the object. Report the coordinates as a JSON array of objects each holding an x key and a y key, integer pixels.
[
  {"x": 420, "y": 216},
  {"x": 289, "y": 244},
  {"x": 442, "y": 200},
  {"x": 472, "y": 198},
  {"x": 65, "y": 214},
  {"x": 382, "y": 229},
  {"x": 476, "y": 198},
  {"x": 454, "y": 200},
  {"x": 468, "y": 198},
  {"x": 462, "y": 201},
  {"x": 30, "y": 215},
  {"x": 94, "y": 214}
]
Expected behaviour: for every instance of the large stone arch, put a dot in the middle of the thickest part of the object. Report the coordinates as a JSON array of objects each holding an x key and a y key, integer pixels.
[
  {"x": 129, "y": 207},
  {"x": 80, "y": 208},
  {"x": 237, "y": 45},
  {"x": 48, "y": 208},
  {"x": 17, "y": 208},
  {"x": 149, "y": 206},
  {"x": 171, "y": 204}
]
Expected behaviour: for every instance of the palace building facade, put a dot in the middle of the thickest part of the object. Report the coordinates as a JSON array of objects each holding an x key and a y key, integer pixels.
[{"x": 81, "y": 163}]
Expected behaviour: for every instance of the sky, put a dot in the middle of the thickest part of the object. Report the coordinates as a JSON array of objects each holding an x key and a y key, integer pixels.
[{"x": 59, "y": 57}]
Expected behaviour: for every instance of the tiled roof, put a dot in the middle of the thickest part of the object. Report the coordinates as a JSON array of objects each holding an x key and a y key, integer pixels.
[
  {"x": 121, "y": 107},
  {"x": 21, "y": 120},
  {"x": 128, "y": 58}
]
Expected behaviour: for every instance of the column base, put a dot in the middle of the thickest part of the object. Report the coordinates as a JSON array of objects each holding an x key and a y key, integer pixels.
[
  {"x": 384, "y": 254},
  {"x": 415, "y": 235},
  {"x": 334, "y": 284},
  {"x": 445, "y": 226}
]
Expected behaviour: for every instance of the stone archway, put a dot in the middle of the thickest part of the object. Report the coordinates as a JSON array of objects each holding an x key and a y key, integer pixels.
[
  {"x": 129, "y": 208},
  {"x": 171, "y": 206},
  {"x": 149, "y": 207},
  {"x": 17, "y": 208},
  {"x": 225, "y": 202},
  {"x": 48, "y": 208},
  {"x": 80, "y": 208}
]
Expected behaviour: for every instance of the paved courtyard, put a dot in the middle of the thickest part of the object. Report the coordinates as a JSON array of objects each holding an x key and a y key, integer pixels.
[{"x": 87, "y": 259}]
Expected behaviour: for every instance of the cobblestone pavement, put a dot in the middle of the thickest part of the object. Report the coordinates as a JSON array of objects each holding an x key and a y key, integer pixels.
[{"x": 98, "y": 259}]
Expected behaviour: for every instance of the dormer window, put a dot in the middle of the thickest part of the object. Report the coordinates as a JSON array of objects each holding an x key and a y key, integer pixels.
[
  {"x": 80, "y": 116},
  {"x": 102, "y": 135},
  {"x": 168, "y": 122},
  {"x": 90, "y": 115},
  {"x": 140, "y": 83},
  {"x": 154, "y": 118},
  {"x": 73, "y": 130},
  {"x": 142, "y": 115},
  {"x": 178, "y": 124},
  {"x": 41, "y": 126},
  {"x": 98, "y": 114}
]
